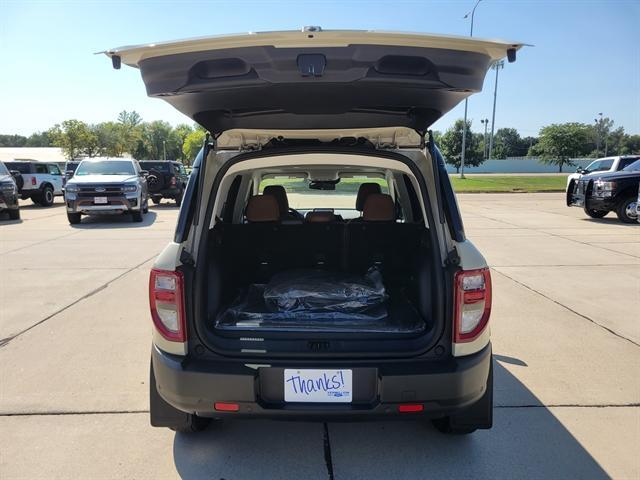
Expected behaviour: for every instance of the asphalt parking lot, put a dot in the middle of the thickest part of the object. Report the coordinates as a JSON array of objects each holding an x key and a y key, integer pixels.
[{"x": 76, "y": 334}]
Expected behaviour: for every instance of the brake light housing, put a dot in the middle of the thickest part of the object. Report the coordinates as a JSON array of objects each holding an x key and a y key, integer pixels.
[
  {"x": 166, "y": 301},
  {"x": 472, "y": 304},
  {"x": 173, "y": 181},
  {"x": 33, "y": 181}
]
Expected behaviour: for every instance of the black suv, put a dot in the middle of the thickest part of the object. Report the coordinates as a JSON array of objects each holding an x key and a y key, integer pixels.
[
  {"x": 600, "y": 193},
  {"x": 8, "y": 193},
  {"x": 167, "y": 179}
]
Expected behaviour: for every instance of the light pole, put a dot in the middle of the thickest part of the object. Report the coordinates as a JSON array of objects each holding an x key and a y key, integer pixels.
[
  {"x": 598, "y": 131},
  {"x": 164, "y": 149},
  {"x": 497, "y": 65},
  {"x": 485, "y": 122},
  {"x": 466, "y": 102}
]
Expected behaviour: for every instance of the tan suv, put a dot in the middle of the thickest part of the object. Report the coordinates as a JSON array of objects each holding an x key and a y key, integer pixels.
[{"x": 320, "y": 268}]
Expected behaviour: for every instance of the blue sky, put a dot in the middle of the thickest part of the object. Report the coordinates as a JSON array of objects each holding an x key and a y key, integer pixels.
[{"x": 586, "y": 57}]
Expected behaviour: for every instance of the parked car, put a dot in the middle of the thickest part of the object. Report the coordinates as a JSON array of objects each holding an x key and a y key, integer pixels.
[
  {"x": 166, "y": 179},
  {"x": 69, "y": 169},
  {"x": 601, "y": 193},
  {"x": 39, "y": 181},
  {"x": 8, "y": 194},
  {"x": 265, "y": 311},
  {"x": 107, "y": 186}
]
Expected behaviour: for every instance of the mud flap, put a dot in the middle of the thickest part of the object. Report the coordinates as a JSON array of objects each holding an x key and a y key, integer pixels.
[
  {"x": 480, "y": 414},
  {"x": 161, "y": 413}
]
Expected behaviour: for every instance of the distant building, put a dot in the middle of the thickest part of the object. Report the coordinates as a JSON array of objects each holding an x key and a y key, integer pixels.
[{"x": 39, "y": 154}]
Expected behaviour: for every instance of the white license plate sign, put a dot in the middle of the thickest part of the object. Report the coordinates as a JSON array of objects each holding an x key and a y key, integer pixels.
[
  {"x": 319, "y": 386},
  {"x": 102, "y": 200}
]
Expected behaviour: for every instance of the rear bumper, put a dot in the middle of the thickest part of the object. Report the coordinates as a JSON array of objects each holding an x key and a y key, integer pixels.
[{"x": 443, "y": 387}]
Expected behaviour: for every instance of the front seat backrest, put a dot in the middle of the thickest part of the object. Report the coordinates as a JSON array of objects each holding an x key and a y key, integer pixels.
[
  {"x": 364, "y": 191},
  {"x": 262, "y": 208},
  {"x": 379, "y": 207},
  {"x": 280, "y": 195}
]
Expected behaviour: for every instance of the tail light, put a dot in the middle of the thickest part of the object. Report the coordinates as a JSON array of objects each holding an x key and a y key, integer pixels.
[
  {"x": 33, "y": 181},
  {"x": 166, "y": 294},
  {"x": 173, "y": 181},
  {"x": 473, "y": 304}
]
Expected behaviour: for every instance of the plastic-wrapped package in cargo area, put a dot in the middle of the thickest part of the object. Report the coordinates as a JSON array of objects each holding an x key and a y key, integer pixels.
[{"x": 320, "y": 300}]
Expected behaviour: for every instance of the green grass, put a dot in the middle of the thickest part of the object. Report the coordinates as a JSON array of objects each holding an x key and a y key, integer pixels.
[{"x": 508, "y": 183}]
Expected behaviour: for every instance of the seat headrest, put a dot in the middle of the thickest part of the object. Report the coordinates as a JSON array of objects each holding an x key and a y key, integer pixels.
[
  {"x": 280, "y": 194},
  {"x": 262, "y": 208},
  {"x": 379, "y": 207},
  {"x": 319, "y": 217},
  {"x": 364, "y": 191}
]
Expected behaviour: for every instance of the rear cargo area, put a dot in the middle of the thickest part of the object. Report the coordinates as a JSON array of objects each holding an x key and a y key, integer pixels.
[{"x": 343, "y": 277}]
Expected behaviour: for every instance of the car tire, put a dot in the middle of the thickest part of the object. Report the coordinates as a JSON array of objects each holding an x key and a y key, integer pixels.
[
  {"x": 156, "y": 199},
  {"x": 74, "y": 218},
  {"x": 14, "y": 214},
  {"x": 569, "y": 192},
  {"x": 626, "y": 210},
  {"x": 46, "y": 197},
  {"x": 164, "y": 415},
  {"x": 19, "y": 182},
  {"x": 477, "y": 416},
  {"x": 179, "y": 198},
  {"x": 136, "y": 216},
  {"x": 595, "y": 213},
  {"x": 145, "y": 207}
]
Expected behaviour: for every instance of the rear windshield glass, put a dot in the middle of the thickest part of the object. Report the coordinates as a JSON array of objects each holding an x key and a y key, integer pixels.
[
  {"x": 107, "y": 167},
  {"x": 3, "y": 169},
  {"x": 302, "y": 194},
  {"x": 71, "y": 166},
  {"x": 19, "y": 166},
  {"x": 158, "y": 166}
]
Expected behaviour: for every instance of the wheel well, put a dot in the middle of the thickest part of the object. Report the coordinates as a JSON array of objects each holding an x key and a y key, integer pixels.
[
  {"x": 630, "y": 191},
  {"x": 46, "y": 184}
]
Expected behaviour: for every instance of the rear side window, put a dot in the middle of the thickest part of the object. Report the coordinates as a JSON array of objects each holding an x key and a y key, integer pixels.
[
  {"x": 41, "y": 169},
  {"x": 163, "y": 167},
  {"x": 625, "y": 162},
  {"x": 19, "y": 166}
]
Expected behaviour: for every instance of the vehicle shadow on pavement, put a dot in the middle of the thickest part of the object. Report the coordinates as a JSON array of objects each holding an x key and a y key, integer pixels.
[
  {"x": 115, "y": 221},
  {"x": 527, "y": 441}
]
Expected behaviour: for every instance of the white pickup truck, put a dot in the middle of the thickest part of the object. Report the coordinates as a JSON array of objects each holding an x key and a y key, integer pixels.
[{"x": 606, "y": 164}]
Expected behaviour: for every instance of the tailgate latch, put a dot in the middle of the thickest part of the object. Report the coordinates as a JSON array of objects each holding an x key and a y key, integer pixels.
[{"x": 311, "y": 64}]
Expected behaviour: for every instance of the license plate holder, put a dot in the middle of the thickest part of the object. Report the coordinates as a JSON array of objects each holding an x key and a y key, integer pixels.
[
  {"x": 100, "y": 200},
  {"x": 318, "y": 385}
]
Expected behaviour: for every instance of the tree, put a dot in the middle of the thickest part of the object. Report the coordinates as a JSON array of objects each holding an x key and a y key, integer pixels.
[
  {"x": 38, "y": 139},
  {"x": 182, "y": 131},
  {"x": 601, "y": 130},
  {"x": 630, "y": 145},
  {"x": 559, "y": 143},
  {"x": 451, "y": 146},
  {"x": 131, "y": 119},
  {"x": 193, "y": 144},
  {"x": 73, "y": 136},
  {"x": 508, "y": 143}
]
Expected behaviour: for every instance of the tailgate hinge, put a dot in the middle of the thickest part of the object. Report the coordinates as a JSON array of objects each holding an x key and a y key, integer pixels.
[
  {"x": 453, "y": 259},
  {"x": 186, "y": 258}
]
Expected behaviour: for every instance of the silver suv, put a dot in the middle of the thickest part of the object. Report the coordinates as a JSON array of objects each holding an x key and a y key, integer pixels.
[
  {"x": 107, "y": 186},
  {"x": 319, "y": 268}
]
